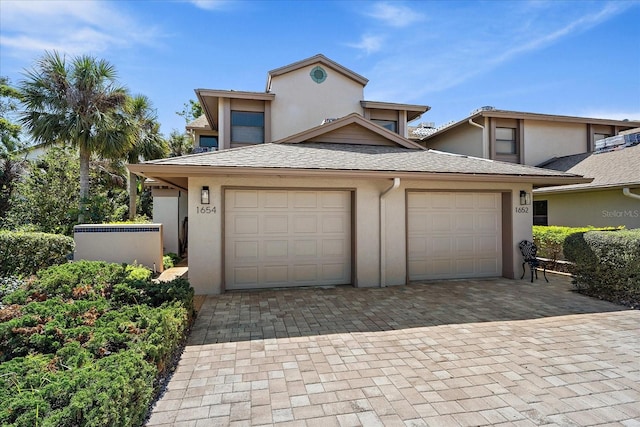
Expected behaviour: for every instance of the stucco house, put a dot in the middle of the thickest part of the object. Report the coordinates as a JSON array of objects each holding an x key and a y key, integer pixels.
[
  {"x": 611, "y": 199},
  {"x": 549, "y": 141},
  {"x": 310, "y": 184}
]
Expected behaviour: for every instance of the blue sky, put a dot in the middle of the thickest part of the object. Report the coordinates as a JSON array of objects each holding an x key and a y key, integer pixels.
[{"x": 577, "y": 58}]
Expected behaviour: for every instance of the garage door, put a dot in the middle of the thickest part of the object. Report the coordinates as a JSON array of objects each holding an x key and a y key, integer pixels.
[
  {"x": 276, "y": 238},
  {"x": 454, "y": 235}
]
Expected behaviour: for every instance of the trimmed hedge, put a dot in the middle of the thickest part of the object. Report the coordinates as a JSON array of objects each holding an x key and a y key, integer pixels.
[
  {"x": 606, "y": 264},
  {"x": 550, "y": 239},
  {"x": 24, "y": 253},
  {"x": 85, "y": 344}
]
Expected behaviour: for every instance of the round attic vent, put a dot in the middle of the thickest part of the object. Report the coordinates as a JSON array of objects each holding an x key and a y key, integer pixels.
[{"x": 318, "y": 74}]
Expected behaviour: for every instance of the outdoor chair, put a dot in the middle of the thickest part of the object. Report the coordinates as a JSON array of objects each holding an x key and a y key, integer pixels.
[{"x": 529, "y": 251}]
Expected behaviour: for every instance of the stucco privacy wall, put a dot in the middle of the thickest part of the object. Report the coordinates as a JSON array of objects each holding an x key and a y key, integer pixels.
[
  {"x": 205, "y": 229},
  {"x": 546, "y": 140},
  {"x": 597, "y": 208},
  {"x": 130, "y": 243},
  {"x": 301, "y": 104}
]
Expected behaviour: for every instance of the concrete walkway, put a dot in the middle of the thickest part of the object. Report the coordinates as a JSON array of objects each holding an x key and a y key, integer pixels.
[{"x": 461, "y": 353}]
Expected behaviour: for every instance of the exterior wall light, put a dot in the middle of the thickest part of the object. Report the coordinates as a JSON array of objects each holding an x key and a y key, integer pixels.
[
  {"x": 204, "y": 195},
  {"x": 525, "y": 198}
]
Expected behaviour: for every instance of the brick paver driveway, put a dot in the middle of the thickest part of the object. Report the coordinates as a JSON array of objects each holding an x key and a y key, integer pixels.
[{"x": 448, "y": 353}]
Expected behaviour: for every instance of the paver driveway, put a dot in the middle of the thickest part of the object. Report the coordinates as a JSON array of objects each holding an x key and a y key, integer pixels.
[{"x": 483, "y": 352}]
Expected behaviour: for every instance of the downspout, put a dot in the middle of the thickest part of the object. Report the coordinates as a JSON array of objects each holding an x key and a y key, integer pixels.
[
  {"x": 627, "y": 192},
  {"x": 472, "y": 123},
  {"x": 383, "y": 231}
]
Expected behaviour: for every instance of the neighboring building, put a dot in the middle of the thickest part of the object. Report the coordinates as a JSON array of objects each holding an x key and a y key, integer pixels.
[
  {"x": 292, "y": 199},
  {"x": 516, "y": 137},
  {"x": 611, "y": 199}
]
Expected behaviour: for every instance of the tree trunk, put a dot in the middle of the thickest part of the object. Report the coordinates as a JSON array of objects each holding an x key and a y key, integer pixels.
[
  {"x": 85, "y": 158},
  {"x": 133, "y": 192}
]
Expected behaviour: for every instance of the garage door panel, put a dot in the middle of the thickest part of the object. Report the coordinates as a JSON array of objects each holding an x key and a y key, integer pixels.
[
  {"x": 305, "y": 200},
  {"x": 276, "y": 249},
  {"x": 275, "y": 224},
  {"x": 454, "y": 235},
  {"x": 305, "y": 248},
  {"x": 245, "y": 199},
  {"x": 275, "y": 274},
  {"x": 280, "y": 238},
  {"x": 246, "y": 224},
  {"x": 274, "y": 199},
  {"x": 464, "y": 201},
  {"x": 333, "y": 248},
  {"x": 246, "y": 250},
  {"x": 334, "y": 224},
  {"x": 305, "y": 224}
]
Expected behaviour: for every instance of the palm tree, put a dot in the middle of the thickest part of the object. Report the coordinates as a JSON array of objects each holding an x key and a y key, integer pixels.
[
  {"x": 148, "y": 143},
  {"x": 77, "y": 103}
]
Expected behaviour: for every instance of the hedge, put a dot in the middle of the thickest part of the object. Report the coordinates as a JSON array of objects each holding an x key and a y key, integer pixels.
[
  {"x": 24, "y": 253},
  {"x": 550, "y": 239},
  {"x": 86, "y": 343},
  {"x": 606, "y": 264}
]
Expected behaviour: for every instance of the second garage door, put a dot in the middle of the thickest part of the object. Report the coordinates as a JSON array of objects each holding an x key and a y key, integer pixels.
[
  {"x": 277, "y": 238},
  {"x": 454, "y": 235}
]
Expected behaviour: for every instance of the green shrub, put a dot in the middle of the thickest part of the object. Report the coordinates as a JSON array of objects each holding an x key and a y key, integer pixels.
[
  {"x": 89, "y": 344},
  {"x": 23, "y": 253},
  {"x": 550, "y": 239},
  {"x": 606, "y": 264},
  {"x": 170, "y": 260}
]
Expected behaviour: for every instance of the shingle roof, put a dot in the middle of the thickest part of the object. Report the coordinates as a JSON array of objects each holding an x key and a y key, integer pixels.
[
  {"x": 613, "y": 169},
  {"x": 352, "y": 157},
  {"x": 199, "y": 123}
]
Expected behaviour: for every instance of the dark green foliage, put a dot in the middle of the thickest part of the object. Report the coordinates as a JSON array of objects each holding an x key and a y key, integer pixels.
[
  {"x": 550, "y": 239},
  {"x": 23, "y": 254},
  {"x": 607, "y": 264},
  {"x": 87, "y": 347}
]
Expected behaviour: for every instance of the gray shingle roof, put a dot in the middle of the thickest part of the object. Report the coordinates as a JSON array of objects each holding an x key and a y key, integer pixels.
[
  {"x": 352, "y": 157},
  {"x": 612, "y": 169},
  {"x": 199, "y": 123}
]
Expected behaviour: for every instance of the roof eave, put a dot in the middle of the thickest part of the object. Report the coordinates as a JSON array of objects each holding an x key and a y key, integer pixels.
[{"x": 161, "y": 172}]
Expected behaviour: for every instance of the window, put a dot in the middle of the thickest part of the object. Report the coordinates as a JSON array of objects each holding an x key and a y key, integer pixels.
[
  {"x": 540, "y": 216},
  {"x": 247, "y": 127},
  {"x": 506, "y": 141},
  {"x": 208, "y": 141},
  {"x": 392, "y": 125}
]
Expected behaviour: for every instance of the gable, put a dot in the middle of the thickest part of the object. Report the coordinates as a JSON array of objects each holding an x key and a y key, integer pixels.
[
  {"x": 353, "y": 134},
  {"x": 351, "y": 129}
]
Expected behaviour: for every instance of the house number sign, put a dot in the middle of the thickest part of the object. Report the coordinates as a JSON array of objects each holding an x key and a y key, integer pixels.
[
  {"x": 522, "y": 209},
  {"x": 205, "y": 209}
]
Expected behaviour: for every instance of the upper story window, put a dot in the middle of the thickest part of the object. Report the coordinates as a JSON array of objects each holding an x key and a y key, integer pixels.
[
  {"x": 247, "y": 127},
  {"x": 208, "y": 141},
  {"x": 506, "y": 141},
  {"x": 392, "y": 125}
]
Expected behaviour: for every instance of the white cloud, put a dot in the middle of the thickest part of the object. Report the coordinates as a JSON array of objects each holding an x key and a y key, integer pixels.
[
  {"x": 394, "y": 14},
  {"x": 368, "y": 43},
  {"x": 71, "y": 27},
  {"x": 210, "y": 4},
  {"x": 458, "y": 47}
]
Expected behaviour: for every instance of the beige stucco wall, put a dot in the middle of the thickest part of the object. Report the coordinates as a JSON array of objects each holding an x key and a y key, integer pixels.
[
  {"x": 130, "y": 243},
  {"x": 464, "y": 139},
  {"x": 546, "y": 140},
  {"x": 597, "y": 208},
  {"x": 206, "y": 229},
  {"x": 300, "y": 103}
]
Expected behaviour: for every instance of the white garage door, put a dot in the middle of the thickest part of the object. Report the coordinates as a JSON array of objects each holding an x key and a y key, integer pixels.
[
  {"x": 277, "y": 238},
  {"x": 454, "y": 235}
]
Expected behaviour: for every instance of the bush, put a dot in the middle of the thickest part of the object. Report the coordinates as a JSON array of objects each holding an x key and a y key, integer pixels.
[
  {"x": 24, "y": 253},
  {"x": 170, "y": 260},
  {"x": 607, "y": 264},
  {"x": 85, "y": 342},
  {"x": 550, "y": 239}
]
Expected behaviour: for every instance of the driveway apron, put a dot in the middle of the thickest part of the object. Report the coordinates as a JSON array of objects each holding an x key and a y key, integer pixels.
[{"x": 449, "y": 353}]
